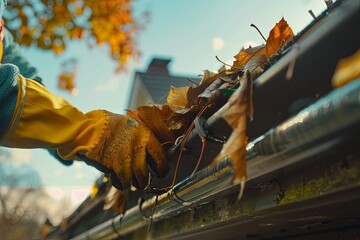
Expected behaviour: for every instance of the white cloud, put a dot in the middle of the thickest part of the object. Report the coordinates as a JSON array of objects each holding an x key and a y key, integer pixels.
[
  {"x": 78, "y": 164},
  {"x": 59, "y": 171},
  {"x": 111, "y": 85},
  {"x": 55, "y": 192},
  {"x": 79, "y": 175},
  {"x": 79, "y": 195},
  {"x": 217, "y": 44},
  {"x": 20, "y": 156}
]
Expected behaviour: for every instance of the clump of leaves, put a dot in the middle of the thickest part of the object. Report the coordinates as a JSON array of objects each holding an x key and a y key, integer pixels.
[
  {"x": 240, "y": 103},
  {"x": 239, "y": 107},
  {"x": 176, "y": 117}
]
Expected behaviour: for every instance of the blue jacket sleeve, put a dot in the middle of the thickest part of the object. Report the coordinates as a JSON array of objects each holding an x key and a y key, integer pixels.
[
  {"x": 12, "y": 54},
  {"x": 8, "y": 94}
]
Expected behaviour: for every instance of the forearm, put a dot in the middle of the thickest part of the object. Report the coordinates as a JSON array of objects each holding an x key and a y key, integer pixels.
[{"x": 41, "y": 119}]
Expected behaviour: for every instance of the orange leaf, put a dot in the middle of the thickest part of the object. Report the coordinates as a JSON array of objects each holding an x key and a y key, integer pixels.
[{"x": 279, "y": 35}]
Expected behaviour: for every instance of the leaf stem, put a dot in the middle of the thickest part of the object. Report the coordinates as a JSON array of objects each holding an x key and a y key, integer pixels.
[
  {"x": 217, "y": 58},
  {"x": 254, "y": 26},
  {"x": 203, "y": 142}
]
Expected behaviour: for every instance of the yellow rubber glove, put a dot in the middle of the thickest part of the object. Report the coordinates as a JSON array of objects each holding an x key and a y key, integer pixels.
[{"x": 113, "y": 143}]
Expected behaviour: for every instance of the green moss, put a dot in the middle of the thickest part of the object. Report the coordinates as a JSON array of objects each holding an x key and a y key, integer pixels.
[{"x": 314, "y": 187}]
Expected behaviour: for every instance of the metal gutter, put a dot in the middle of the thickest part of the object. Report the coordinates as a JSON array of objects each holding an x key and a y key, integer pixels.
[{"x": 316, "y": 129}]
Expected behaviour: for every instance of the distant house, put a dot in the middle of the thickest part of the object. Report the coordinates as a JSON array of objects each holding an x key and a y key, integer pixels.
[{"x": 153, "y": 85}]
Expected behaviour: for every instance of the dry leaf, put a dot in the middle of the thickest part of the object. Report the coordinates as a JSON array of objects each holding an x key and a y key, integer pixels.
[
  {"x": 181, "y": 100},
  {"x": 115, "y": 199},
  {"x": 245, "y": 55},
  {"x": 177, "y": 99},
  {"x": 235, "y": 115},
  {"x": 347, "y": 69},
  {"x": 212, "y": 92}
]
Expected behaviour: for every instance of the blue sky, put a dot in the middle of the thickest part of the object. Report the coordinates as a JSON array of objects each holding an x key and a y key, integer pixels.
[{"x": 190, "y": 32}]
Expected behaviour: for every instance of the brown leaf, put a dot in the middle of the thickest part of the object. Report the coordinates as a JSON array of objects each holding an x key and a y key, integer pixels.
[
  {"x": 235, "y": 115},
  {"x": 245, "y": 55}
]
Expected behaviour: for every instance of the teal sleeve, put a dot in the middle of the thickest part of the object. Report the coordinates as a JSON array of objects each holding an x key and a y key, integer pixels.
[
  {"x": 8, "y": 94},
  {"x": 12, "y": 54}
]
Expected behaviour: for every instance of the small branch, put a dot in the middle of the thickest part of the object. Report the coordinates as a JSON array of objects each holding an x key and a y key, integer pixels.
[
  {"x": 312, "y": 14},
  {"x": 203, "y": 142},
  {"x": 192, "y": 81},
  {"x": 253, "y": 25}
]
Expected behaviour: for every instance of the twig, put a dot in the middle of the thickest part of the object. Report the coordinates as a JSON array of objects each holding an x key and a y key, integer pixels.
[
  {"x": 186, "y": 136},
  {"x": 192, "y": 81},
  {"x": 217, "y": 58}
]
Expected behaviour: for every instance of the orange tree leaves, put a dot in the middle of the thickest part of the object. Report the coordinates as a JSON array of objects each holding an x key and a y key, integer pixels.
[
  {"x": 66, "y": 79},
  {"x": 51, "y": 24}
]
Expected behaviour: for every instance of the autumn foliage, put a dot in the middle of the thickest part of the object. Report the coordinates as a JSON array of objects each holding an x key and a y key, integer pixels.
[{"x": 52, "y": 24}]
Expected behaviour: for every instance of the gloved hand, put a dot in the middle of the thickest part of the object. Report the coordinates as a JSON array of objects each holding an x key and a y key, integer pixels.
[
  {"x": 113, "y": 143},
  {"x": 122, "y": 151}
]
